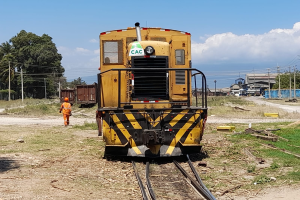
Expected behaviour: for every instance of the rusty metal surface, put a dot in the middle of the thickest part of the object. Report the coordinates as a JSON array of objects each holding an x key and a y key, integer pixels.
[
  {"x": 70, "y": 93},
  {"x": 86, "y": 94}
]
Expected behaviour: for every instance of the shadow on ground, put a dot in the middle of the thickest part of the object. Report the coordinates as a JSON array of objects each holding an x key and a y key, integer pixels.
[
  {"x": 7, "y": 164},
  {"x": 160, "y": 160}
]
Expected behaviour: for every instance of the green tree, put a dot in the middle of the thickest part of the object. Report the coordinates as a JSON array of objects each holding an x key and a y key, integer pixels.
[
  {"x": 6, "y": 59},
  {"x": 75, "y": 82},
  {"x": 285, "y": 80},
  {"x": 40, "y": 61},
  {"x": 5, "y": 49}
]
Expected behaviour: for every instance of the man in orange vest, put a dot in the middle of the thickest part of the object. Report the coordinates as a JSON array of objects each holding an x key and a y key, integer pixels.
[{"x": 66, "y": 108}]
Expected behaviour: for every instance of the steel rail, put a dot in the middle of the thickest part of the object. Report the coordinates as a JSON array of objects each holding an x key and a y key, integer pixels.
[
  {"x": 139, "y": 182},
  {"x": 151, "y": 192},
  {"x": 193, "y": 182},
  {"x": 198, "y": 178}
]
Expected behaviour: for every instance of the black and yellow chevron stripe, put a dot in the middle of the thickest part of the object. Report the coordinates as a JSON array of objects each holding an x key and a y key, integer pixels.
[{"x": 181, "y": 128}]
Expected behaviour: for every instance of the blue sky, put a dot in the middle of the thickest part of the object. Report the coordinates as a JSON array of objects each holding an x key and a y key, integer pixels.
[{"x": 229, "y": 37}]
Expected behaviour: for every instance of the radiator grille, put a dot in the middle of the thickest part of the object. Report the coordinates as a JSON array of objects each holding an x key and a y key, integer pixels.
[{"x": 150, "y": 84}]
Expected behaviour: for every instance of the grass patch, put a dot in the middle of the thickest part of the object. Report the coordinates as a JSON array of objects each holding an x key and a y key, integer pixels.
[
  {"x": 91, "y": 146},
  {"x": 281, "y": 161},
  {"x": 229, "y": 155},
  {"x": 274, "y": 165},
  {"x": 42, "y": 107},
  {"x": 261, "y": 179},
  {"x": 292, "y": 176},
  {"x": 54, "y": 141},
  {"x": 224, "y": 100},
  {"x": 251, "y": 168},
  {"x": 34, "y": 110},
  {"x": 26, "y": 102},
  {"x": 86, "y": 126}
]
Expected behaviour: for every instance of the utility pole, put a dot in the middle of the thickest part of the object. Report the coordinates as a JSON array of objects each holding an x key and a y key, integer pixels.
[
  {"x": 59, "y": 88},
  {"x": 295, "y": 81},
  {"x": 279, "y": 92},
  {"x": 8, "y": 80},
  {"x": 254, "y": 83},
  {"x": 45, "y": 88},
  {"x": 22, "y": 83},
  {"x": 290, "y": 83},
  {"x": 215, "y": 88},
  {"x": 269, "y": 83}
]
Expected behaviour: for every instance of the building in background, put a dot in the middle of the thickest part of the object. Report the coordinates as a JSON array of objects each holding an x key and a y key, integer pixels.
[{"x": 258, "y": 83}]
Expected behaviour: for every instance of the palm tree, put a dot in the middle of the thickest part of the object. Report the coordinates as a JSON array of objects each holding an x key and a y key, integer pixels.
[
  {"x": 6, "y": 59},
  {"x": 5, "y": 49}
]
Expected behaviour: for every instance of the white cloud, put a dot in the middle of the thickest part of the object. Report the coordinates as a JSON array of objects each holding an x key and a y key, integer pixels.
[
  {"x": 79, "y": 49},
  {"x": 95, "y": 59},
  {"x": 93, "y": 41},
  {"x": 97, "y": 51},
  {"x": 228, "y": 47},
  {"x": 79, "y": 62},
  {"x": 224, "y": 49},
  {"x": 65, "y": 51}
]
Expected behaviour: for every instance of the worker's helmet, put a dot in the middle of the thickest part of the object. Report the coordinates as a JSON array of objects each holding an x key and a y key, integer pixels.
[{"x": 66, "y": 99}]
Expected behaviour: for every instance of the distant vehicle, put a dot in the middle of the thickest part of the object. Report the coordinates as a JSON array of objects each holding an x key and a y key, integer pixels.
[
  {"x": 85, "y": 95},
  {"x": 253, "y": 92},
  {"x": 243, "y": 92},
  {"x": 70, "y": 93}
]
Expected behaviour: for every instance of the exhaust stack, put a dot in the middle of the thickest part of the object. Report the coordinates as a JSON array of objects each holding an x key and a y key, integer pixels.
[{"x": 138, "y": 31}]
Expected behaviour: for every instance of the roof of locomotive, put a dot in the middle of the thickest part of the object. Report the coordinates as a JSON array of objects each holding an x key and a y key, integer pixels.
[{"x": 145, "y": 28}]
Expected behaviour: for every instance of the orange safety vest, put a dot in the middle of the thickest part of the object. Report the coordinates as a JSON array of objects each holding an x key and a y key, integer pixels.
[{"x": 66, "y": 108}]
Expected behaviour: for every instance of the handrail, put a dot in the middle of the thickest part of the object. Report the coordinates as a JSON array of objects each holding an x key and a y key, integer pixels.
[
  {"x": 204, "y": 99},
  {"x": 204, "y": 89}
]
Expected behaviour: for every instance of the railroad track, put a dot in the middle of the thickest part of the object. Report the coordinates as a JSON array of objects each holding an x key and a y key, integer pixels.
[{"x": 196, "y": 183}]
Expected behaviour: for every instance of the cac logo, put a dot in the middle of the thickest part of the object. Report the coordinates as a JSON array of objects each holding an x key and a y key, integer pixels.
[{"x": 136, "y": 49}]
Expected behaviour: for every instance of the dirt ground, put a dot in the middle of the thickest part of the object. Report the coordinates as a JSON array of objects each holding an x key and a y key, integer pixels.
[{"x": 77, "y": 173}]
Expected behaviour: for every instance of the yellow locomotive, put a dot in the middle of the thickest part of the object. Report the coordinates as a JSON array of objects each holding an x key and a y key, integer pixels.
[{"x": 145, "y": 93}]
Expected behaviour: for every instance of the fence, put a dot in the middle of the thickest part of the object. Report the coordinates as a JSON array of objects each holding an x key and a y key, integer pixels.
[{"x": 284, "y": 93}]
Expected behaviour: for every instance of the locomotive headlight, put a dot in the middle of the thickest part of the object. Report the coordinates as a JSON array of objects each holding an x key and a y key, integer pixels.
[{"x": 149, "y": 50}]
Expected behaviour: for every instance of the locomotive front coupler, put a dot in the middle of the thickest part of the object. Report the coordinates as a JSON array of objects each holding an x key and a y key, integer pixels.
[{"x": 156, "y": 136}]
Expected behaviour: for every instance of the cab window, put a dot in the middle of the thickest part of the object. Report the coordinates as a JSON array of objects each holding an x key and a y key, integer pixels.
[
  {"x": 179, "y": 56},
  {"x": 112, "y": 52}
]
